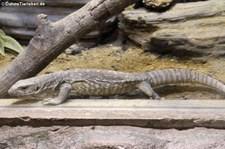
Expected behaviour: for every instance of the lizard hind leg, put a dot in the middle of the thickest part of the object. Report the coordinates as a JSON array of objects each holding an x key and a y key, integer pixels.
[
  {"x": 147, "y": 89},
  {"x": 64, "y": 92}
]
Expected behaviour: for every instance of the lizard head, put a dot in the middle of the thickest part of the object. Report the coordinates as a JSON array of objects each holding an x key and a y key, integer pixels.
[{"x": 27, "y": 88}]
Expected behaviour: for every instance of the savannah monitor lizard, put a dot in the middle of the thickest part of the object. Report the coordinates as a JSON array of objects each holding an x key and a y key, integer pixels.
[{"x": 58, "y": 85}]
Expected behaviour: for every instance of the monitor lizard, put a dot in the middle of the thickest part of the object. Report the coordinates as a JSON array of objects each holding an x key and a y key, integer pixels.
[{"x": 105, "y": 82}]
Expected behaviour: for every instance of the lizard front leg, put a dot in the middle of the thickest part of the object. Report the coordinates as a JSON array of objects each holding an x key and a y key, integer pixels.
[
  {"x": 64, "y": 92},
  {"x": 147, "y": 89}
]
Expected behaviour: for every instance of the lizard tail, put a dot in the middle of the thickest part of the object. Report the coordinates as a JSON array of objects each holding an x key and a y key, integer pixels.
[{"x": 174, "y": 76}]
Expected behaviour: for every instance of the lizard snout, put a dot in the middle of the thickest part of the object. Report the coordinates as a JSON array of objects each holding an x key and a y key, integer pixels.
[
  {"x": 11, "y": 91},
  {"x": 15, "y": 91}
]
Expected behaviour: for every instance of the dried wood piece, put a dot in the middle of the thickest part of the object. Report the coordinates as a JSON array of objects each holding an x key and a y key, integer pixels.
[{"x": 197, "y": 27}]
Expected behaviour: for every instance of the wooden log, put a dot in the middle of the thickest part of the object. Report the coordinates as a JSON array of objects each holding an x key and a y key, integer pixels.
[
  {"x": 51, "y": 39},
  {"x": 197, "y": 27}
]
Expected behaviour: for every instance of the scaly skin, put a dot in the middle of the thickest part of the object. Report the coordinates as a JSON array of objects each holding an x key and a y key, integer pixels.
[{"x": 105, "y": 82}]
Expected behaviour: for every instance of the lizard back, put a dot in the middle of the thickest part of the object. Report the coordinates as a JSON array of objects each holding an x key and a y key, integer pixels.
[{"x": 104, "y": 82}]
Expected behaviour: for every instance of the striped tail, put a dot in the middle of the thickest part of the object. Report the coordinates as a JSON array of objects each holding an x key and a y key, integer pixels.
[{"x": 174, "y": 76}]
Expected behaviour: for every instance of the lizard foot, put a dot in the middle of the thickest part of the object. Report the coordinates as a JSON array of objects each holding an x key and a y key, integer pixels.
[
  {"x": 155, "y": 96},
  {"x": 51, "y": 101},
  {"x": 160, "y": 98}
]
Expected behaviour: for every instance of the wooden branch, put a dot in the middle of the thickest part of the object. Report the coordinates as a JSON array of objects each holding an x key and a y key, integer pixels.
[{"x": 51, "y": 39}]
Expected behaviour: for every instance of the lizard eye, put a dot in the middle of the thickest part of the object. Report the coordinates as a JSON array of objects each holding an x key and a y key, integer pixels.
[{"x": 23, "y": 88}]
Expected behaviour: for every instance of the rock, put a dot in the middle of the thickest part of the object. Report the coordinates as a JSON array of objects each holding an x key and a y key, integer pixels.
[
  {"x": 74, "y": 49},
  {"x": 113, "y": 137},
  {"x": 195, "y": 28}
]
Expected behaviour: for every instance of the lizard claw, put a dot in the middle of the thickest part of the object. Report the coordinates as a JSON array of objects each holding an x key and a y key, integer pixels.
[
  {"x": 51, "y": 101},
  {"x": 156, "y": 97},
  {"x": 162, "y": 98}
]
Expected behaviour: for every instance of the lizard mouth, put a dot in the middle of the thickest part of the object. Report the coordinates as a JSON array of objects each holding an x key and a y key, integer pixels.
[
  {"x": 20, "y": 94},
  {"x": 14, "y": 93}
]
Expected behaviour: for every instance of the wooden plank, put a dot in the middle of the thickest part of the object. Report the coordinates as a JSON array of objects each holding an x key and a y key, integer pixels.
[
  {"x": 119, "y": 103},
  {"x": 142, "y": 113}
]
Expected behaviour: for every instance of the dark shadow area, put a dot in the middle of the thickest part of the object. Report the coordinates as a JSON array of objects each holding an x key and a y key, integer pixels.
[{"x": 139, "y": 3}]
